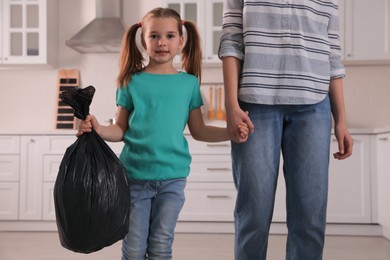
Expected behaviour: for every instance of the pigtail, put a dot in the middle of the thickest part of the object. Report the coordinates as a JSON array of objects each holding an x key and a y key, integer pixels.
[
  {"x": 130, "y": 58},
  {"x": 191, "y": 54}
]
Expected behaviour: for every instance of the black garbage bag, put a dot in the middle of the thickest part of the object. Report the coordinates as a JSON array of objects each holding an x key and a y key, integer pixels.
[{"x": 91, "y": 193}]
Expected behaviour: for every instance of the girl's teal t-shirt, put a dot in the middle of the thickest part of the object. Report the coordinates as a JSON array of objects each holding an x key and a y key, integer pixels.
[{"x": 159, "y": 104}]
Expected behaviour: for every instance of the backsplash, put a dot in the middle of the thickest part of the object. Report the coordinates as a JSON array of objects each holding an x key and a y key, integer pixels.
[{"x": 213, "y": 101}]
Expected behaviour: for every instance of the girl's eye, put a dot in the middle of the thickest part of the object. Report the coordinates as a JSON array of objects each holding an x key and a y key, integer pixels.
[
  {"x": 153, "y": 36},
  {"x": 170, "y": 36}
]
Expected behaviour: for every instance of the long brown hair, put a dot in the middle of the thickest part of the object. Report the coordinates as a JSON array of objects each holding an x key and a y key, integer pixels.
[{"x": 131, "y": 60}]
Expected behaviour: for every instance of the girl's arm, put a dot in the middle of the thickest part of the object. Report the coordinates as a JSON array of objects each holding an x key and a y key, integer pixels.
[
  {"x": 111, "y": 133},
  {"x": 206, "y": 133},
  {"x": 343, "y": 137}
]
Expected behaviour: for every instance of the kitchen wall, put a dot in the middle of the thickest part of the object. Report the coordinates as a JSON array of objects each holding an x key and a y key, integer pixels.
[{"x": 28, "y": 96}]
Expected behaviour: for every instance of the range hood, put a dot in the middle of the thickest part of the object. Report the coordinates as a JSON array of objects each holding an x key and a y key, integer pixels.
[{"x": 104, "y": 33}]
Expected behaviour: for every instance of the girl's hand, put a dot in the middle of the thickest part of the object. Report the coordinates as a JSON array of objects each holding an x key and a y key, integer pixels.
[
  {"x": 243, "y": 130},
  {"x": 86, "y": 125}
]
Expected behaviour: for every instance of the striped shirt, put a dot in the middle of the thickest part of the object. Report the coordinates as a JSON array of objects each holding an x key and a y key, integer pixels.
[{"x": 289, "y": 48}]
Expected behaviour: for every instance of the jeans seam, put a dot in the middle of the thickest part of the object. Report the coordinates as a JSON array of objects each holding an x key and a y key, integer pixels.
[{"x": 288, "y": 208}]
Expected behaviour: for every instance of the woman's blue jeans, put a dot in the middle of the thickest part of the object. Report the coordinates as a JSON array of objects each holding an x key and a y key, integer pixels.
[
  {"x": 155, "y": 208},
  {"x": 302, "y": 134}
]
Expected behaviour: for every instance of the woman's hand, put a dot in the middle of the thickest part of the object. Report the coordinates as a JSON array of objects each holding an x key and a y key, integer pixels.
[
  {"x": 235, "y": 121},
  {"x": 345, "y": 142}
]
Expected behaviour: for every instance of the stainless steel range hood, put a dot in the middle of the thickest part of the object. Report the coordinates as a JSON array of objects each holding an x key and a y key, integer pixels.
[{"x": 104, "y": 33}]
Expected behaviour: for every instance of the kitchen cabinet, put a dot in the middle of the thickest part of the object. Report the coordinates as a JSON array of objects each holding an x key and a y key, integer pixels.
[
  {"x": 25, "y": 32},
  {"x": 51, "y": 160},
  {"x": 349, "y": 195},
  {"x": 210, "y": 192},
  {"x": 29, "y": 166},
  {"x": 367, "y": 30},
  {"x": 40, "y": 159},
  {"x": 349, "y": 199},
  {"x": 383, "y": 175},
  {"x": 207, "y": 15},
  {"x": 9, "y": 177}
]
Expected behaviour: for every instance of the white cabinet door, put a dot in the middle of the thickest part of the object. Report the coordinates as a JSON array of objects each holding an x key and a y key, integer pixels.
[
  {"x": 349, "y": 195},
  {"x": 207, "y": 15},
  {"x": 48, "y": 207},
  {"x": 9, "y": 176},
  {"x": 383, "y": 161},
  {"x": 31, "y": 175},
  {"x": 24, "y": 32},
  {"x": 9, "y": 167},
  {"x": 367, "y": 30},
  {"x": 9, "y": 158},
  {"x": 9, "y": 197},
  {"x": 40, "y": 159},
  {"x": 212, "y": 29},
  {"x": 349, "y": 199}
]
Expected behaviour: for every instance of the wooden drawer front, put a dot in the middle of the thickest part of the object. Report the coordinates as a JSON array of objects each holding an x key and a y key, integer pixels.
[
  {"x": 9, "y": 144},
  {"x": 9, "y": 167},
  {"x": 9, "y": 197},
  {"x": 59, "y": 144},
  {"x": 197, "y": 147},
  {"x": 211, "y": 168},
  {"x": 209, "y": 202}
]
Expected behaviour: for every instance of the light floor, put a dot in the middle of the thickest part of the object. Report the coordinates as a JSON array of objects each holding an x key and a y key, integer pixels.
[{"x": 46, "y": 246}]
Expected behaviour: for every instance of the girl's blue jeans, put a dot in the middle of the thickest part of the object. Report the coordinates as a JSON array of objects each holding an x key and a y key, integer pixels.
[
  {"x": 155, "y": 207},
  {"x": 302, "y": 134}
]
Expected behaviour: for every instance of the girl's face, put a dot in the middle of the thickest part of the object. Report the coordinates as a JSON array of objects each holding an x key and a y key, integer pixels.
[{"x": 161, "y": 40}]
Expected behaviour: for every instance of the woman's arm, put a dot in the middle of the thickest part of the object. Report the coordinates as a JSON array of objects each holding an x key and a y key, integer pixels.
[
  {"x": 206, "y": 133},
  {"x": 343, "y": 137},
  {"x": 111, "y": 133},
  {"x": 234, "y": 114}
]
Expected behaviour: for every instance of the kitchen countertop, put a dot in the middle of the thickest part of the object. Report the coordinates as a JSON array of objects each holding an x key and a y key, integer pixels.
[
  {"x": 216, "y": 123},
  {"x": 40, "y": 132}
]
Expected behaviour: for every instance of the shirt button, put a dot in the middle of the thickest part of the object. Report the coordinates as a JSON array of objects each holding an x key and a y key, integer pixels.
[{"x": 285, "y": 23}]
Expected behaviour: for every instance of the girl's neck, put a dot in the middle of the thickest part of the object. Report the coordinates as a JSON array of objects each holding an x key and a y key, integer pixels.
[{"x": 160, "y": 69}]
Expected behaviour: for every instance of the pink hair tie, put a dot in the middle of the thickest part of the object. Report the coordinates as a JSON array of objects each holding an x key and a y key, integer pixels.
[
  {"x": 182, "y": 22},
  {"x": 139, "y": 24}
]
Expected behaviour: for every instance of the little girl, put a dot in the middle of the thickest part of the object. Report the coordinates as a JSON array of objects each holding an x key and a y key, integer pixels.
[{"x": 155, "y": 102}]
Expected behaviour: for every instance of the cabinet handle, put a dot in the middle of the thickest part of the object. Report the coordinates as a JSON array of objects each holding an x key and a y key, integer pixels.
[
  {"x": 32, "y": 140},
  {"x": 219, "y": 169},
  {"x": 383, "y": 139},
  {"x": 218, "y": 196},
  {"x": 218, "y": 145}
]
